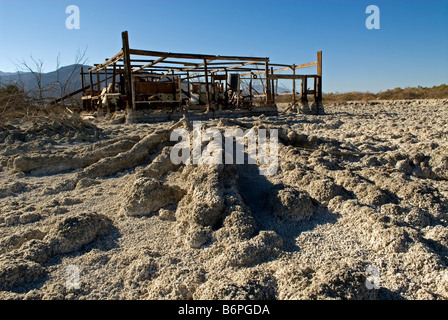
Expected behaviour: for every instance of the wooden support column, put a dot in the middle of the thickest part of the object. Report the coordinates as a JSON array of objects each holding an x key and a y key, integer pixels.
[
  {"x": 188, "y": 83},
  {"x": 127, "y": 72},
  {"x": 319, "y": 79},
  {"x": 268, "y": 86},
  {"x": 105, "y": 75},
  {"x": 226, "y": 91},
  {"x": 273, "y": 86},
  {"x": 98, "y": 88},
  {"x": 180, "y": 92},
  {"x": 250, "y": 89},
  {"x": 174, "y": 85},
  {"x": 294, "y": 85},
  {"x": 303, "y": 95},
  {"x": 82, "y": 78},
  {"x": 238, "y": 93},
  {"x": 206, "y": 85},
  {"x": 91, "y": 83},
  {"x": 114, "y": 75}
]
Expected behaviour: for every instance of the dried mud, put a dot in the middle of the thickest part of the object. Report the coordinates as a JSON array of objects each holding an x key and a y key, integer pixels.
[{"x": 363, "y": 187}]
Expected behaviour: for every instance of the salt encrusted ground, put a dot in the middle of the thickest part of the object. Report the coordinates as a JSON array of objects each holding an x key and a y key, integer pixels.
[{"x": 360, "y": 200}]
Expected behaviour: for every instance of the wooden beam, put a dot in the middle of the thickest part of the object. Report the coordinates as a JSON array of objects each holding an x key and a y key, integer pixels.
[
  {"x": 206, "y": 85},
  {"x": 75, "y": 93},
  {"x": 191, "y": 56},
  {"x": 91, "y": 82},
  {"x": 294, "y": 85},
  {"x": 303, "y": 93},
  {"x": 114, "y": 75},
  {"x": 318, "y": 87},
  {"x": 319, "y": 63},
  {"x": 149, "y": 64},
  {"x": 98, "y": 87},
  {"x": 108, "y": 62},
  {"x": 268, "y": 85},
  {"x": 166, "y": 61},
  {"x": 82, "y": 77},
  {"x": 198, "y": 65},
  {"x": 127, "y": 71},
  {"x": 291, "y": 76},
  {"x": 164, "y": 74},
  {"x": 301, "y": 66},
  {"x": 234, "y": 67}
]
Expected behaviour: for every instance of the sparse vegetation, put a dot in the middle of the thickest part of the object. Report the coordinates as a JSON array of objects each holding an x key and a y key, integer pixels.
[
  {"x": 436, "y": 92},
  {"x": 13, "y": 101},
  {"x": 409, "y": 93}
]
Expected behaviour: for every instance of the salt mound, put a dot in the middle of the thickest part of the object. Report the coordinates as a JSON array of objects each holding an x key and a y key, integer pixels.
[
  {"x": 73, "y": 232},
  {"x": 147, "y": 195},
  {"x": 201, "y": 209},
  {"x": 263, "y": 247},
  {"x": 16, "y": 272},
  {"x": 323, "y": 190},
  {"x": 291, "y": 204},
  {"x": 243, "y": 285}
]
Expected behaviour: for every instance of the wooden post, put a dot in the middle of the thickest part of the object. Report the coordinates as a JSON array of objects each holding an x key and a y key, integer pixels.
[
  {"x": 105, "y": 75},
  {"x": 250, "y": 89},
  {"x": 238, "y": 94},
  {"x": 226, "y": 91},
  {"x": 82, "y": 78},
  {"x": 206, "y": 85},
  {"x": 268, "y": 86},
  {"x": 303, "y": 97},
  {"x": 180, "y": 92},
  {"x": 174, "y": 85},
  {"x": 273, "y": 86},
  {"x": 294, "y": 85},
  {"x": 114, "y": 76},
  {"x": 319, "y": 63},
  {"x": 98, "y": 88},
  {"x": 127, "y": 71},
  {"x": 319, "y": 79},
  {"x": 188, "y": 83},
  {"x": 91, "y": 84}
]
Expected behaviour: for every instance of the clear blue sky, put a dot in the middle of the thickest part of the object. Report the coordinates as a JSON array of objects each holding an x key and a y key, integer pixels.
[{"x": 410, "y": 49}]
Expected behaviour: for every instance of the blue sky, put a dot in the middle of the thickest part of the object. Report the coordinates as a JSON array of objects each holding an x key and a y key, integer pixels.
[{"x": 410, "y": 49}]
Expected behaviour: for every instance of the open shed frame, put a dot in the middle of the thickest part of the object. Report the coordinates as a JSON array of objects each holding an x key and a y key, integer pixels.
[{"x": 136, "y": 79}]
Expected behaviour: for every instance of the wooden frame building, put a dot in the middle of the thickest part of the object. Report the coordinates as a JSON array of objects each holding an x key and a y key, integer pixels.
[{"x": 136, "y": 80}]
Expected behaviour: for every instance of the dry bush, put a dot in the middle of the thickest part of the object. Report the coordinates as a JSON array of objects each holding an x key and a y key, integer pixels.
[
  {"x": 13, "y": 102},
  {"x": 436, "y": 92}
]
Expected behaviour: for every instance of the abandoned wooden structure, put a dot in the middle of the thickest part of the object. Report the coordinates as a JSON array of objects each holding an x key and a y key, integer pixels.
[{"x": 150, "y": 81}]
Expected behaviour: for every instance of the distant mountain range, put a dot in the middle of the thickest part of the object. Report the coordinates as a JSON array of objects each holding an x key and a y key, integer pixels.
[
  {"x": 50, "y": 82},
  {"x": 71, "y": 75}
]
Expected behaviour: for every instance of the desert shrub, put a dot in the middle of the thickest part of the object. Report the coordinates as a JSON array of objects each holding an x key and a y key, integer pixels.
[
  {"x": 410, "y": 93},
  {"x": 13, "y": 101}
]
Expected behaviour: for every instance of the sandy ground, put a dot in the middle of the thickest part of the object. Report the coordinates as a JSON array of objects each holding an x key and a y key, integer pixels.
[{"x": 357, "y": 210}]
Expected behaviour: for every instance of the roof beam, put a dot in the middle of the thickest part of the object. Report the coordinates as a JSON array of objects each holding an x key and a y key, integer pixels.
[
  {"x": 108, "y": 62},
  {"x": 234, "y": 67},
  {"x": 300, "y": 66},
  {"x": 149, "y": 64},
  {"x": 191, "y": 56}
]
